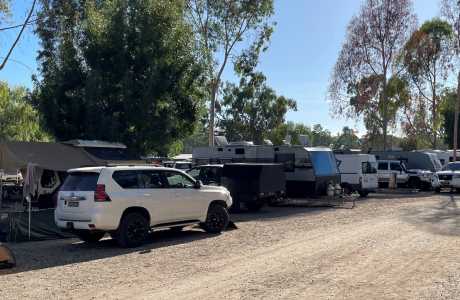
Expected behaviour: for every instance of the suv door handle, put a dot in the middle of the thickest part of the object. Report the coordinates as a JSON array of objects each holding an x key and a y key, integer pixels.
[{"x": 147, "y": 195}]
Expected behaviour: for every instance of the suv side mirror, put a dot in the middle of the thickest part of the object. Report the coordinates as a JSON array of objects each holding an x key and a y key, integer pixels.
[{"x": 198, "y": 184}]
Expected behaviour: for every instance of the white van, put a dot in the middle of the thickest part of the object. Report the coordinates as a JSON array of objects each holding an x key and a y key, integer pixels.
[{"x": 358, "y": 173}]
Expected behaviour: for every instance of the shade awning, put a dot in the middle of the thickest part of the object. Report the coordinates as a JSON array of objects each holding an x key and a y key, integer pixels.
[{"x": 52, "y": 156}]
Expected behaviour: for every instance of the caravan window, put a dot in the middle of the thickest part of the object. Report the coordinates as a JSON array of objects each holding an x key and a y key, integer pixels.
[{"x": 239, "y": 151}]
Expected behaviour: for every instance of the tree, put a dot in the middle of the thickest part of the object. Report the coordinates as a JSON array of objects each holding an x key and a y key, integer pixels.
[
  {"x": 219, "y": 27},
  {"x": 449, "y": 102},
  {"x": 118, "y": 70},
  {"x": 280, "y": 134},
  {"x": 251, "y": 110},
  {"x": 19, "y": 121},
  {"x": 347, "y": 139},
  {"x": 426, "y": 60},
  {"x": 321, "y": 136},
  {"x": 450, "y": 10},
  {"x": 366, "y": 62}
]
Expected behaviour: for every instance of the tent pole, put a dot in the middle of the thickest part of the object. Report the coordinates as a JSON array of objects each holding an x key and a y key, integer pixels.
[{"x": 30, "y": 214}]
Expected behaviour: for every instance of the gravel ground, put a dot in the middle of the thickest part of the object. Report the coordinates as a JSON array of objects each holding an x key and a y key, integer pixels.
[{"x": 387, "y": 247}]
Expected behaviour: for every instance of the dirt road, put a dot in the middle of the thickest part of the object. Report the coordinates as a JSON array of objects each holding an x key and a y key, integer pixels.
[{"x": 388, "y": 247}]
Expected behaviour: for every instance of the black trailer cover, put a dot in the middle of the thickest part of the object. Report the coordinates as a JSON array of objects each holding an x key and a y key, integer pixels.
[{"x": 253, "y": 178}]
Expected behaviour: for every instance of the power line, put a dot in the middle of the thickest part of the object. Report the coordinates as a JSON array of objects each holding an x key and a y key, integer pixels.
[{"x": 19, "y": 25}]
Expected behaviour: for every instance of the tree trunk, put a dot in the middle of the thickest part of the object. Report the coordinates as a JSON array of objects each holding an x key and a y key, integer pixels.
[
  {"x": 212, "y": 113},
  {"x": 456, "y": 117},
  {"x": 434, "y": 109},
  {"x": 435, "y": 121},
  {"x": 385, "y": 112}
]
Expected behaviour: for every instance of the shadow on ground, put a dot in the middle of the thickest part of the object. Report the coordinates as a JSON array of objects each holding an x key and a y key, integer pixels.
[
  {"x": 441, "y": 218},
  {"x": 53, "y": 253}
]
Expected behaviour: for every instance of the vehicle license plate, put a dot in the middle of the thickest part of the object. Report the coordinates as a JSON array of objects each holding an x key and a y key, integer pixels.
[{"x": 72, "y": 204}]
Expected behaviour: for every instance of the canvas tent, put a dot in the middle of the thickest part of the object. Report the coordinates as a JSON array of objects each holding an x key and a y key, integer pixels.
[
  {"x": 38, "y": 161},
  {"x": 53, "y": 156}
]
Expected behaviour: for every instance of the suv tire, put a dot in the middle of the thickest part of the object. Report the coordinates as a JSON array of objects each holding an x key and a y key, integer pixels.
[
  {"x": 414, "y": 183},
  {"x": 216, "y": 220},
  {"x": 88, "y": 236},
  {"x": 133, "y": 230}
]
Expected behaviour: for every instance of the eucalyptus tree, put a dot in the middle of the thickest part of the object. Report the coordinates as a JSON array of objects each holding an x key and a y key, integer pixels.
[
  {"x": 359, "y": 86},
  {"x": 426, "y": 59},
  {"x": 222, "y": 29}
]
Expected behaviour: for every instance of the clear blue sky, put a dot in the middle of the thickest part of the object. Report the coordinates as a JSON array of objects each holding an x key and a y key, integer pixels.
[{"x": 298, "y": 64}]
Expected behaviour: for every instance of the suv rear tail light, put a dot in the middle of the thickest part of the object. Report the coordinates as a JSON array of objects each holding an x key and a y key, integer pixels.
[{"x": 100, "y": 195}]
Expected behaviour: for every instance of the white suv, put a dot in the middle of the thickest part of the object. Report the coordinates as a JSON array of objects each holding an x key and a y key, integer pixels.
[
  {"x": 385, "y": 169},
  {"x": 129, "y": 201}
]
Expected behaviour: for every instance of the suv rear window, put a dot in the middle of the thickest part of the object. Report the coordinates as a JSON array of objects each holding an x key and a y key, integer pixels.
[{"x": 80, "y": 181}]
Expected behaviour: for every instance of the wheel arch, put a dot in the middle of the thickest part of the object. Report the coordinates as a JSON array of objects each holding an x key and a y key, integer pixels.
[
  {"x": 218, "y": 202},
  {"x": 136, "y": 209}
]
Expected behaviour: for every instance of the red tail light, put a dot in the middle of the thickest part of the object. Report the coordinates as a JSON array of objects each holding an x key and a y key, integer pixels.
[{"x": 100, "y": 195}]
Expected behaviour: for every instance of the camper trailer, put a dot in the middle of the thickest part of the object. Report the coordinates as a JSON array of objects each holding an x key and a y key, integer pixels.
[
  {"x": 358, "y": 172},
  {"x": 442, "y": 156},
  {"x": 250, "y": 184},
  {"x": 421, "y": 167},
  {"x": 233, "y": 153},
  {"x": 309, "y": 171}
]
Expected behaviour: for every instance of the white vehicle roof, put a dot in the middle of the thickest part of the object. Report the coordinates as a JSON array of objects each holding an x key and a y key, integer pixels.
[
  {"x": 137, "y": 167},
  {"x": 388, "y": 160},
  {"x": 210, "y": 165}
]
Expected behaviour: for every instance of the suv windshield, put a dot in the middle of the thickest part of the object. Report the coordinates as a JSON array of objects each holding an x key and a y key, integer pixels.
[
  {"x": 80, "y": 181},
  {"x": 452, "y": 167}
]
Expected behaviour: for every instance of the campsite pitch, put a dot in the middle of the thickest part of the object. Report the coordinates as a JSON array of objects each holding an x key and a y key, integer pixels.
[{"x": 388, "y": 247}]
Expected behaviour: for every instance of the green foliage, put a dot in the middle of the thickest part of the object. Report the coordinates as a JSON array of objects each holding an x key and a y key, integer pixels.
[
  {"x": 222, "y": 30},
  {"x": 426, "y": 58},
  {"x": 252, "y": 110},
  {"x": 118, "y": 70},
  {"x": 289, "y": 129},
  {"x": 317, "y": 135},
  {"x": 367, "y": 101},
  {"x": 5, "y": 11},
  {"x": 366, "y": 63},
  {"x": 19, "y": 121},
  {"x": 347, "y": 139},
  {"x": 448, "y": 113}
]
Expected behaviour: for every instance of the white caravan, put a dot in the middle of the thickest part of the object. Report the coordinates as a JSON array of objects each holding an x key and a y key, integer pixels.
[{"x": 358, "y": 173}]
